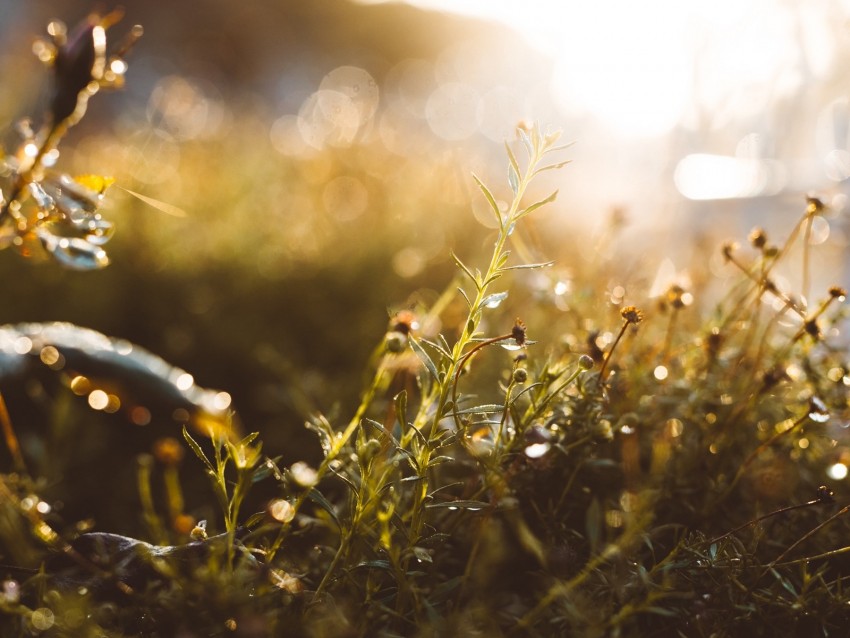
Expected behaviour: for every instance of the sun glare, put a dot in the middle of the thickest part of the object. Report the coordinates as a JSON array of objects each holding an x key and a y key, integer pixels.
[{"x": 642, "y": 68}]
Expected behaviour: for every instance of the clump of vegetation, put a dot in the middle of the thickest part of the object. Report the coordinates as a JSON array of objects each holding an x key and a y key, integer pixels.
[{"x": 632, "y": 467}]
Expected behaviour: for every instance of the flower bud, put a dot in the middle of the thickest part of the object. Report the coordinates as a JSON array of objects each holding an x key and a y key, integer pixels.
[{"x": 585, "y": 362}]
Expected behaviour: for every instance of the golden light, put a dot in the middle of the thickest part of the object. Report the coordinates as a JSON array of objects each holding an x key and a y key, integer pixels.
[{"x": 642, "y": 68}]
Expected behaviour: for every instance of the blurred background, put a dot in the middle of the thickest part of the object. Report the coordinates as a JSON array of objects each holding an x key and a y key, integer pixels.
[{"x": 322, "y": 153}]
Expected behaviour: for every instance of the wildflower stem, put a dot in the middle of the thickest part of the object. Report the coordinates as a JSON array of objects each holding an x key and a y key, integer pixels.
[
  {"x": 805, "y": 537},
  {"x": 460, "y": 355},
  {"x": 462, "y": 364},
  {"x": 12, "y": 443},
  {"x": 781, "y": 510}
]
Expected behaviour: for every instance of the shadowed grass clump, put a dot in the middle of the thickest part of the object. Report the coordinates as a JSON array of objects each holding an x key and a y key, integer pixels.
[{"x": 627, "y": 466}]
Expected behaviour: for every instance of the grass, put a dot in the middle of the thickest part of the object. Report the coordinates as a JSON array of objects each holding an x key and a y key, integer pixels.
[{"x": 629, "y": 466}]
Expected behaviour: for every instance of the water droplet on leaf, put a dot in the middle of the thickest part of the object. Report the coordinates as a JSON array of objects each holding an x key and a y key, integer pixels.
[
  {"x": 73, "y": 252},
  {"x": 537, "y": 450},
  {"x": 494, "y": 300}
]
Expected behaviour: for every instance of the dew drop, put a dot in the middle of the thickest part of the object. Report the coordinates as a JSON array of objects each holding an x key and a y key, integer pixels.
[
  {"x": 11, "y": 591},
  {"x": 537, "y": 450},
  {"x": 495, "y": 300},
  {"x": 818, "y": 411},
  {"x": 303, "y": 474},
  {"x": 73, "y": 252},
  {"x": 511, "y": 345},
  {"x": 99, "y": 232}
]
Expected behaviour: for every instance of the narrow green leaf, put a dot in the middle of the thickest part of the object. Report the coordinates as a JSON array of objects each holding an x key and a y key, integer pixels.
[
  {"x": 562, "y": 147},
  {"x": 439, "y": 348},
  {"x": 660, "y": 611},
  {"x": 525, "y": 390},
  {"x": 512, "y": 159},
  {"x": 551, "y": 167},
  {"x": 493, "y": 278},
  {"x": 551, "y": 138},
  {"x": 513, "y": 179},
  {"x": 255, "y": 519},
  {"x": 421, "y": 436},
  {"x": 537, "y": 205},
  {"x": 424, "y": 358},
  {"x": 437, "y": 460},
  {"x": 422, "y": 554},
  {"x": 466, "y": 271},
  {"x": 529, "y": 147},
  {"x": 545, "y": 264},
  {"x": 490, "y": 199},
  {"x": 400, "y": 401},
  {"x": 461, "y": 505},
  {"x": 317, "y": 497},
  {"x": 494, "y": 300},
  {"x": 482, "y": 409},
  {"x": 351, "y": 485},
  {"x": 465, "y": 297},
  {"x": 249, "y": 439},
  {"x": 193, "y": 444},
  {"x": 784, "y": 582},
  {"x": 443, "y": 487},
  {"x": 385, "y": 431}
]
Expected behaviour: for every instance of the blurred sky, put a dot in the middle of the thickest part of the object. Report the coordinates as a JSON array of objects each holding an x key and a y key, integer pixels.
[
  {"x": 685, "y": 114},
  {"x": 729, "y": 85}
]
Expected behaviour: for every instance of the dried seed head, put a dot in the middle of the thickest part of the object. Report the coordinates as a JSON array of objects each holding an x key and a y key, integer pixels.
[
  {"x": 814, "y": 206},
  {"x": 758, "y": 238},
  {"x": 520, "y": 375},
  {"x": 713, "y": 342},
  {"x": 812, "y": 329},
  {"x": 404, "y": 321},
  {"x": 395, "y": 341},
  {"x": 518, "y": 332},
  {"x": 773, "y": 376},
  {"x": 585, "y": 362},
  {"x": 837, "y": 292},
  {"x": 675, "y": 296},
  {"x": 199, "y": 532},
  {"x": 727, "y": 249},
  {"x": 825, "y": 494},
  {"x": 631, "y": 314}
]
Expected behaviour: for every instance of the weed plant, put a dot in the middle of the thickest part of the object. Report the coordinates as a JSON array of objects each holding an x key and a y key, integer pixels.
[{"x": 634, "y": 467}]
